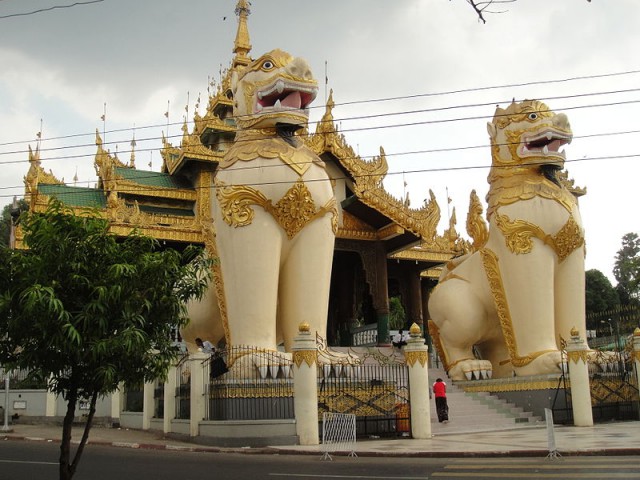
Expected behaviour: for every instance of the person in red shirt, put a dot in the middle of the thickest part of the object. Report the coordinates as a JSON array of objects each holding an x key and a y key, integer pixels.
[{"x": 440, "y": 392}]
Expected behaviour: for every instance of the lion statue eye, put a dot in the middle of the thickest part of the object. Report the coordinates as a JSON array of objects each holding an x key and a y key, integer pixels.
[
  {"x": 267, "y": 65},
  {"x": 532, "y": 116}
]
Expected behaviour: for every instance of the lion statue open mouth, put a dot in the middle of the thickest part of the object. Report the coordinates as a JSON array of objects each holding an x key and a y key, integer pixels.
[
  {"x": 506, "y": 308},
  {"x": 276, "y": 89}
]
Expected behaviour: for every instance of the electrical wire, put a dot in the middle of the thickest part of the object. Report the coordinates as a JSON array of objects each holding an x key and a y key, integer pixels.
[
  {"x": 48, "y": 9},
  {"x": 405, "y": 97},
  {"x": 146, "y": 189},
  {"x": 375, "y": 127}
]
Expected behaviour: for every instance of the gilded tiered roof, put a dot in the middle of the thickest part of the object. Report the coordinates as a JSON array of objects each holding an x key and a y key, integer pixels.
[{"x": 168, "y": 206}]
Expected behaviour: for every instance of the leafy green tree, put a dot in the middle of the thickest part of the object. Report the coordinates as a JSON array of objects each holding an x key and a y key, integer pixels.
[
  {"x": 397, "y": 315},
  {"x": 600, "y": 295},
  {"x": 5, "y": 221},
  {"x": 85, "y": 311},
  {"x": 626, "y": 270}
]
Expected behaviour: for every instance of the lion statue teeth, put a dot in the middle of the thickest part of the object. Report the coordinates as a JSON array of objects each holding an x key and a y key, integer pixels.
[{"x": 506, "y": 308}]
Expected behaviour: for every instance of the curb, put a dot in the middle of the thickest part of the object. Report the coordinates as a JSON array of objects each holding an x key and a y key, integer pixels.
[
  {"x": 152, "y": 446},
  {"x": 290, "y": 451}
]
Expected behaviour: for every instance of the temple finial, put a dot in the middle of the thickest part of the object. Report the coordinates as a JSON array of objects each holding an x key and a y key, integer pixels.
[
  {"x": 242, "y": 44},
  {"x": 132, "y": 159}
]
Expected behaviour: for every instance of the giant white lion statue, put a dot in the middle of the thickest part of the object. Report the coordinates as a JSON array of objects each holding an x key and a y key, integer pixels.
[
  {"x": 506, "y": 308},
  {"x": 275, "y": 216}
]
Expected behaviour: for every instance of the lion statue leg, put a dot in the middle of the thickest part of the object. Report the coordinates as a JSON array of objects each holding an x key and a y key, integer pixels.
[
  {"x": 459, "y": 312},
  {"x": 526, "y": 298},
  {"x": 570, "y": 292},
  {"x": 305, "y": 281}
]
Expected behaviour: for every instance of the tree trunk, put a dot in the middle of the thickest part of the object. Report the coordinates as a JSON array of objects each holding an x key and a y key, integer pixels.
[
  {"x": 68, "y": 468},
  {"x": 85, "y": 434},
  {"x": 65, "y": 446}
]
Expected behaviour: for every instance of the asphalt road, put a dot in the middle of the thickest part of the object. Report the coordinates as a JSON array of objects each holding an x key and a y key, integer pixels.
[{"x": 38, "y": 461}]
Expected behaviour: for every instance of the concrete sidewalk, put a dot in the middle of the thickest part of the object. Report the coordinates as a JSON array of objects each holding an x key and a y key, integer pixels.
[{"x": 619, "y": 438}]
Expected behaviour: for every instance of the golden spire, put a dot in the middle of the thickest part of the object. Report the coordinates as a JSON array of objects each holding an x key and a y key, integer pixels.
[{"x": 242, "y": 44}]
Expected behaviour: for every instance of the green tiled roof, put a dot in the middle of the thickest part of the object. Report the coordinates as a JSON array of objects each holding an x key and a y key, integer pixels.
[
  {"x": 75, "y": 196},
  {"x": 182, "y": 212},
  {"x": 152, "y": 179}
]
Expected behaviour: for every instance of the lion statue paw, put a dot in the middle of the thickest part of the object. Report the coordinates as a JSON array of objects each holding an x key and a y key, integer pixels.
[
  {"x": 471, "y": 369},
  {"x": 603, "y": 362},
  {"x": 261, "y": 364},
  {"x": 547, "y": 363},
  {"x": 338, "y": 364}
]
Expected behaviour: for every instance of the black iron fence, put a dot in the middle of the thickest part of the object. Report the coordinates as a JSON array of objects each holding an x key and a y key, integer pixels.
[
  {"x": 133, "y": 398},
  {"x": 183, "y": 389},
  {"x": 614, "y": 391},
  {"x": 158, "y": 400},
  {"x": 248, "y": 383},
  {"x": 23, "y": 380},
  {"x": 376, "y": 393}
]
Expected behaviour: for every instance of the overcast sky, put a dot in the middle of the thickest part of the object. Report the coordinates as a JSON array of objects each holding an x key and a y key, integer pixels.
[{"x": 63, "y": 65}]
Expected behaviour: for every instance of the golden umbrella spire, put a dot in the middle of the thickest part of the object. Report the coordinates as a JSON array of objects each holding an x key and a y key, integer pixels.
[{"x": 242, "y": 44}]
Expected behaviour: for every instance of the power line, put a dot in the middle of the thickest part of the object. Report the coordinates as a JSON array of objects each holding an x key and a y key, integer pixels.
[
  {"x": 387, "y": 154},
  {"x": 375, "y": 127},
  {"x": 429, "y": 94},
  {"x": 48, "y": 9},
  {"x": 494, "y": 87},
  {"x": 144, "y": 189}
]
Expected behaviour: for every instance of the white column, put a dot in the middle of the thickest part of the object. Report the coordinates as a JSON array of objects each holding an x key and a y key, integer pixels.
[
  {"x": 577, "y": 353},
  {"x": 305, "y": 386},
  {"x": 416, "y": 354},
  {"x": 116, "y": 404},
  {"x": 636, "y": 352},
  {"x": 197, "y": 391},
  {"x": 50, "y": 404},
  {"x": 169, "y": 399},
  {"x": 147, "y": 405}
]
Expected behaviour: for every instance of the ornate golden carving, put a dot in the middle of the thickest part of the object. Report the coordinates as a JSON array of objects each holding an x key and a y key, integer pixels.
[
  {"x": 511, "y": 178},
  {"x": 368, "y": 176},
  {"x": 250, "y": 145},
  {"x": 434, "y": 332},
  {"x": 353, "y": 227},
  {"x": 576, "y": 355},
  {"x": 422, "y": 254},
  {"x": 519, "y": 233},
  {"x": 413, "y": 357},
  {"x": 292, "y": 212},
  {"x": 242, "y": 44},
  {"x": 363, "y": 399},
  {"x": 36, "y": 175},
  {"x": 508, "y": 385},
  {"x": 476, "y": 225},
  {"x": 492, "y": 269},
  {"x": 205, "y": 182},
  {"x": 523, "y": 186},
  {"x": 270, "y": 389},
  {"x": 310, "y": 357},
  {"x": 519, "y": 112}
]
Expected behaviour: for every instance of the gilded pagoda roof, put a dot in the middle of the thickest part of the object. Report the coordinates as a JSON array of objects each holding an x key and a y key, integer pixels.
[{"x": 168, "y": 205}]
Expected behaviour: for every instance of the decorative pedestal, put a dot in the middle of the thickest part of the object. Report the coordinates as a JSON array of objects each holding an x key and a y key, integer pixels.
[
  {"x": 305, "y": 386},
  {"x": 577, "y": 352},
  {"x": 417, "y": 355}
]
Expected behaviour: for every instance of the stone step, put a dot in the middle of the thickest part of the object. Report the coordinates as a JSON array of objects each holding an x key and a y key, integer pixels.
[{"x": 476, "y": 411}]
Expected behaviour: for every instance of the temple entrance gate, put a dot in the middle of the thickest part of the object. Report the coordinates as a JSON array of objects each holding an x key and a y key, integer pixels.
[{"x": 375, "y": 391}]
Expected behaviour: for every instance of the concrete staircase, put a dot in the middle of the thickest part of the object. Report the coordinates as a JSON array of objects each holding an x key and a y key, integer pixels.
[{"x": 474, "y": 412}]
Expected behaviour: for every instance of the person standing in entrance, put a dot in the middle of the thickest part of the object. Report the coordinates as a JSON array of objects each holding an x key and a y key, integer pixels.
[{"x": 440, "y": 392}]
